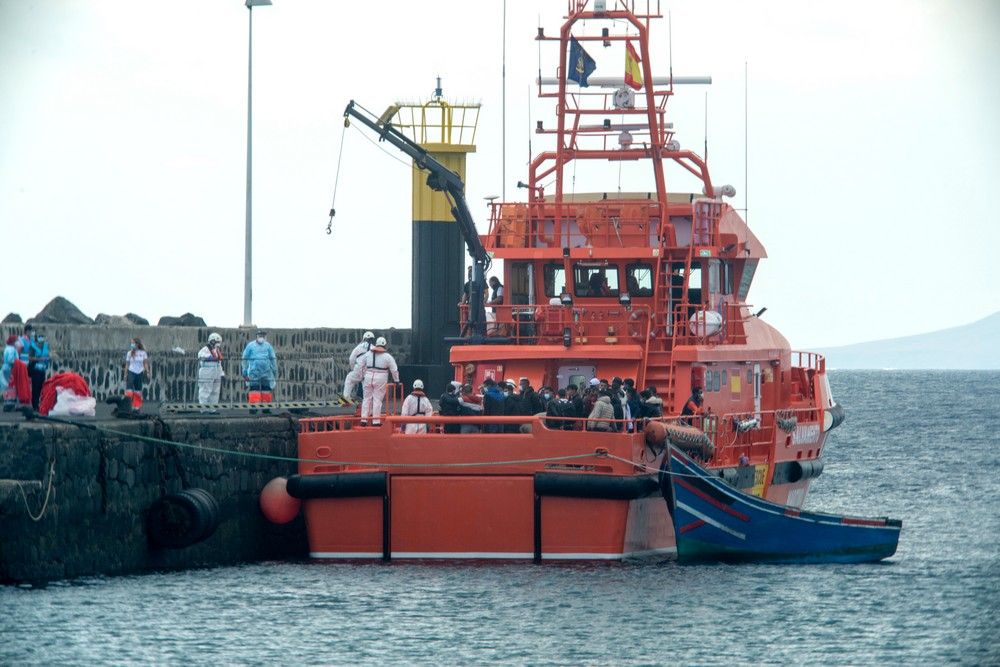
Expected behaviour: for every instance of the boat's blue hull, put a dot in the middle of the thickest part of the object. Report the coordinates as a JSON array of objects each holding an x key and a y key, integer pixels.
[{"x": 715, "y": 522}]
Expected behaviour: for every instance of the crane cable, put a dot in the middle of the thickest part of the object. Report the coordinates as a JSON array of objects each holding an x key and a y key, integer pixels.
[{"x": 336, "y": 179}]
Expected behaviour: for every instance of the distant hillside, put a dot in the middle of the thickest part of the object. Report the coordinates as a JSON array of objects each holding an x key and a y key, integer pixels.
[{"x": 973, "y": 346}]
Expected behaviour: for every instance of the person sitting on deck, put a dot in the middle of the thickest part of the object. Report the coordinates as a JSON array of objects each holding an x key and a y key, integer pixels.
[{"x": 602, "y": 414}]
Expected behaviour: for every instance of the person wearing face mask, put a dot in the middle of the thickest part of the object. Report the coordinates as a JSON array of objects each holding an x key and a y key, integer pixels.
[
  {"x": 136, "y": 366},
  {"x": 10, "y": 354},
  {"x": 38, "y": 366},
  {"x": 260, "y": 366},
  {"x": 210, "y": 371}
]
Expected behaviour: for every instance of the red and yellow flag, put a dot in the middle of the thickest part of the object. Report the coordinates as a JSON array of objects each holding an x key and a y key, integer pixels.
[{"x": 633, "y": 73}]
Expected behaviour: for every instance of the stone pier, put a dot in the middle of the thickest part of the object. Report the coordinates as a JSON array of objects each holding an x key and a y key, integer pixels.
[{"x": 94, "y": 522}]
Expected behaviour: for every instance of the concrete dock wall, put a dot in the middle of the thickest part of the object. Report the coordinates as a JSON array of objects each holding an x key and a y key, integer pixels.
[
  {"x": 94, "y": 521},
  {"x": 312, "y": 363}
]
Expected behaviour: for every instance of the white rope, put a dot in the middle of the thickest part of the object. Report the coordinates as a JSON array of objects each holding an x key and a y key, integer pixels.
[{"x": 20, "y": 487}]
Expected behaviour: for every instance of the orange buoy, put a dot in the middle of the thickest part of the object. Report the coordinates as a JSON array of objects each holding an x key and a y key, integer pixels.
[
  {"x": 656, "y": 434},
  {"x": 276, "y": 504}
]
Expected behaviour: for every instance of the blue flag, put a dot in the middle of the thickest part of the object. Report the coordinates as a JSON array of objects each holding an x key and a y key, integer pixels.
[{"x": 580, "y": 65}]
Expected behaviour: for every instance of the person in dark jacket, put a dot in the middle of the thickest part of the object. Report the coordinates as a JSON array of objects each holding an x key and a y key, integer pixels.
[
  {"x": 652, "y": 405},
  {"x": 576, "y": 406},
  {"x": 511, "y": 406},
  {"x": 493, "y": 404},
  {"x": 449, "y": 406},
  {"x": 634, "y": 405},
  {"x": 559, "y": 407}
]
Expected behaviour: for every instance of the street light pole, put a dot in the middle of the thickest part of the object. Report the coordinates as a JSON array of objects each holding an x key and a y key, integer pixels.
[{"x": 248, "y": 258}]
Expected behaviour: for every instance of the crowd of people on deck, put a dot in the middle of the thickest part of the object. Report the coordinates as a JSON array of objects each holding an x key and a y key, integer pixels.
[{"x": 595, "y": 406}]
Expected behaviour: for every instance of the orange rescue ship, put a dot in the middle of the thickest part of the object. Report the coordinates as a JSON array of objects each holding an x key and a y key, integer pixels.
[{"x": 650, "y": 285}]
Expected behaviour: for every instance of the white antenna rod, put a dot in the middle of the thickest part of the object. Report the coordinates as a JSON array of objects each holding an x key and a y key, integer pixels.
[
  {"x": 670, "y": 49},
  {"x": 529, "y": 126},
  {"x": 503, "y": 110},
  {"x": 706, "y": 126},
  {"x": 746, "y": 143}
]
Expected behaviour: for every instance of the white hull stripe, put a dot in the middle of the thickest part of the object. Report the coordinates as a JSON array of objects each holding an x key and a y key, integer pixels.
[{"x": 710, "y": 521}]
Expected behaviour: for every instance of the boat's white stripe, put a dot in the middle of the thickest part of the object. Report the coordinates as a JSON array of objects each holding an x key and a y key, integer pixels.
[{"x": 710, "y": 521}]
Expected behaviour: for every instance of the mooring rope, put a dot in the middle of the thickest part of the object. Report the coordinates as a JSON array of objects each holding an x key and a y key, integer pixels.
[
  {"x": 295, "y": 459},
  {"x": 48, "y": 494},
  {"x": 599, "y": 453}
]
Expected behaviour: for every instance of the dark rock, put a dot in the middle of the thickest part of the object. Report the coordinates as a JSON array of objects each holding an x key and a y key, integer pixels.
[
  {"x": 112, "y": 320},
  {"x": 136, "y": 319},
  {"x": 185, "y": 320},
  {"x": 60, "y": 311},
  {"x": 12, "y": 318}
]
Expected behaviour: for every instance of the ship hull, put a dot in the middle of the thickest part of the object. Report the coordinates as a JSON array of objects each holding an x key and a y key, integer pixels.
[{"x": 563, "y": 496}]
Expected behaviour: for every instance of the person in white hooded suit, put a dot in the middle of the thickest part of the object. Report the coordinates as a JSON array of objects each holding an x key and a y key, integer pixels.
[
  {"x": 210, "y": 371},
  {"x": 375, "y": 366},
  {"x": 416, "y": 404},
  {"x": 353, "y": 378}
]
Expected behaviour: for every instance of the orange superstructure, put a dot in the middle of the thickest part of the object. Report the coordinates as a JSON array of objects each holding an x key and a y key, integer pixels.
[{"x": 646, "y": 285}]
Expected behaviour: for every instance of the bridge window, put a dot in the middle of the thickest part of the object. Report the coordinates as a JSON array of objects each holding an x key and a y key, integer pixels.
[
  {"x": 748, "y": 270},
  {"x": 639, "y": 279},
  {"x": 518, "y": 287},
  {"x": 595, "y": 280},
  {"x": 555, "y": 280}
]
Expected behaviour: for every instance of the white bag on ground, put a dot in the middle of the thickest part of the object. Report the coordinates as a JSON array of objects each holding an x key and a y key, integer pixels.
[{"x": 68, "y": 404}]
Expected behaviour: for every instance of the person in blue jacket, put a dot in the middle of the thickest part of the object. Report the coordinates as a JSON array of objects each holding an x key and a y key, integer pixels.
[{"x": 260, "y": 366}]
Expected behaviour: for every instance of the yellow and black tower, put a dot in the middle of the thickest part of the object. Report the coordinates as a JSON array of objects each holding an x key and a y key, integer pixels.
[{"x": 448, "y": 132}]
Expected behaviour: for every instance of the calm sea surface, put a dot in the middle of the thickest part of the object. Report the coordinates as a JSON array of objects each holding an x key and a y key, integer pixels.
[{"x": 920, "y": 446}]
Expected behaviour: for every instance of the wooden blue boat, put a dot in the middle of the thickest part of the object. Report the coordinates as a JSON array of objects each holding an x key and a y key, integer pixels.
[{"x": 715, "y": 522}]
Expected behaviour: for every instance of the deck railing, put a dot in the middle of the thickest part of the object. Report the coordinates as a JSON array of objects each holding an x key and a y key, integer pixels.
[{"x": 548, "y": 324}]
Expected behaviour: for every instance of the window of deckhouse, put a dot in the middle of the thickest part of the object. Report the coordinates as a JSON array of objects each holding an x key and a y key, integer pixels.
[
  {"x": 518, "y": 287},
  {"x": 595, "y": 280},
  {"x": 748, "y": 270},
  {"x": 555, "y": 280},
  {"x": 639, "y": 279}
]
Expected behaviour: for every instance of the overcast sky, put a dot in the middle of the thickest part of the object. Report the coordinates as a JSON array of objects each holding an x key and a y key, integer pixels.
[{"x": 874, "y": 151}]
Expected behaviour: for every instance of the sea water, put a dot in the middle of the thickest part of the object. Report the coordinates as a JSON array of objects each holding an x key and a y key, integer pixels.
[{"x": 918, "y": 446}]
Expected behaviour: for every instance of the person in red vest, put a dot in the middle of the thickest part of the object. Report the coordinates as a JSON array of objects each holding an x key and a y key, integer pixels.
[{"x": 693, "y": 407}]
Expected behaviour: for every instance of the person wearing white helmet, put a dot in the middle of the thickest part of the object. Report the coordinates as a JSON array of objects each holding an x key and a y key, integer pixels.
[
  {"x": 210, "y": 371},
  {"x": 416, "y": 404},
  {"x": 353, "y": 378},
  {"x": 375, "y": 366}
]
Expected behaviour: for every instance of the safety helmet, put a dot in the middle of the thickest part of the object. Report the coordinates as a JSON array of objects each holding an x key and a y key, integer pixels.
[
  {"x": 214, "y": 338},
  {"x": 380, "y": 342},
  {"x": 418, "y": 384},
  {"x": 368, "y": 336}
]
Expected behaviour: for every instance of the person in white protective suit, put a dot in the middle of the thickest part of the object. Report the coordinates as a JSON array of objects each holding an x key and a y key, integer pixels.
[
  {"x": 353, "y": 378},
  {"x": 375, "y": 366},
  {"x": 210, "y": 371},
  {"x": 416, "y": 404}
]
